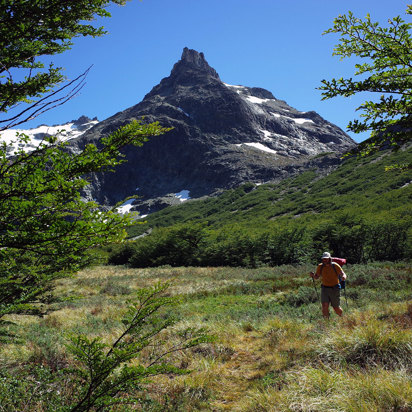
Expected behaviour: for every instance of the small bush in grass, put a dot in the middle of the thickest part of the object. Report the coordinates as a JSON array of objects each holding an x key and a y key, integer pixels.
[
  {"x": 374, "y": 343},
  {"x": 214, "y": 352},
  {"x": 247, "y": 327},
  {"x": 274, "y": 379},
  {"x": 121, "y": 254},
  {"x": 302, "y": 296},
  {"x": 113, "y": 288}
]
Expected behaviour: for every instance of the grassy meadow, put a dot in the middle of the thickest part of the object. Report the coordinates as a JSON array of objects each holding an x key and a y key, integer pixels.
[{"x": 271, "y": 349}]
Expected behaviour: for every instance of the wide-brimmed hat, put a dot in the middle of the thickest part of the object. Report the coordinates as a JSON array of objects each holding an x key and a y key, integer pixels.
[{"x": 326, "y": 255}]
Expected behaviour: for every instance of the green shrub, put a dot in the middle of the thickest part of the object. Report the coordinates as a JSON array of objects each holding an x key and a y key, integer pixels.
[
  {"x": 345, "y": 236},
  {"x": 230, "y": 246},
  {"x": 375, "y": 343},
  {"x": 287, "y": 246},
  {"x": 302, "y": 296},
  {"x": 175, "y": 246},
  {"x": 388, "y": 241},
  {"x": 121, "y": 254}
]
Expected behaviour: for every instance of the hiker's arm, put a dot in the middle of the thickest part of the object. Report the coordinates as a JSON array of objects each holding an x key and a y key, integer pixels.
[
  {"x": 343, "y": 275},
  {"x": 314, "y": 275}
]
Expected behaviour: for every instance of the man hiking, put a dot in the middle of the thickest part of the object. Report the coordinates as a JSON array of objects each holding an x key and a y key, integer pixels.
[{"x": 331, "y": 274}]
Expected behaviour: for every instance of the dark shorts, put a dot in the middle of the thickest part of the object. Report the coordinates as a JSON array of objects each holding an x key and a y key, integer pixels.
[{"x": 331, "y": 295}]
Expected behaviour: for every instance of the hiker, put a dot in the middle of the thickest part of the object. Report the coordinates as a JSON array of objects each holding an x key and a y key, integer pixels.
[{"x": 331, "y": 274}]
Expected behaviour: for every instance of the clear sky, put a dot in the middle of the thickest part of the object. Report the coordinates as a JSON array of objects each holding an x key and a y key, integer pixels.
[{"x": 273, "y": 44}]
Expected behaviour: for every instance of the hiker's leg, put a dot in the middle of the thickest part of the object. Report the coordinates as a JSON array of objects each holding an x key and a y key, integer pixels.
[
  {"x": 335, "y": 301},
  {"x": 325, "y": 309},
  {"x": 338, "y": 310},
  {"x": 324, "y": 299}
]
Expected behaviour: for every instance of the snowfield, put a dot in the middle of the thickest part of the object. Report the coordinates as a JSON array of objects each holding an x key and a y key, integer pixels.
[{"x": 36, "y": 135}]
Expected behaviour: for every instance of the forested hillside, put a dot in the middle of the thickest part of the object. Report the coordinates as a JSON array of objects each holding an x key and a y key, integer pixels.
[{"x": 360, "y": 211}]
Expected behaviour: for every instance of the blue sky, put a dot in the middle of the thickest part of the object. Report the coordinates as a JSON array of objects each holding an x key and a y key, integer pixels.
[{"x": 274, "y": 44}]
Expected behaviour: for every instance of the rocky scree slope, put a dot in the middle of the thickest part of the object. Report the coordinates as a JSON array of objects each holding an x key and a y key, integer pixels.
[{"x": 223, "y": 136}]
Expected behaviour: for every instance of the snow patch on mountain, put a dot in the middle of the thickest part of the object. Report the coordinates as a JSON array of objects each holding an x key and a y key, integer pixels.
[
  {"x": 258, "y": 146},
  {"x": 63, "y": 132},
  {"x": 301, "y": 121},
  {"x": 256, "y": 100},
  {"x": 294, "y": 119},
  {"x": 185, "y": 113},
  {"x": 267, "y": 135},
  {"x": 234, "y": 86},
  {"x": 183, "y": 195},
  {"x": 125, "y": 207}
]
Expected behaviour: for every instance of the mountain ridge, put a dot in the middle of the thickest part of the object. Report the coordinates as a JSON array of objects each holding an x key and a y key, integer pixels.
[{"x": 223, "y": 135}]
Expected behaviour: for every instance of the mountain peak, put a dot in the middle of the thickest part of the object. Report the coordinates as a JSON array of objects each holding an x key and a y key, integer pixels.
[
  {"x": 192, "y": 59},
  {"x": 193, "y": 56},
  {"x": 223, "y": 135}
]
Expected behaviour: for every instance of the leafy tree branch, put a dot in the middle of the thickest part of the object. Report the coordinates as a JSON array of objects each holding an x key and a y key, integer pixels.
[
  {"x": 387, "y": 71},
  {"x": 45, "y": 226},
  {"x": 105, "y": 371}
]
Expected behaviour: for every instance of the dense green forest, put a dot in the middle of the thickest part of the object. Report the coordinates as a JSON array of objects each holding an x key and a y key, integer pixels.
[{"x": 359, "y": 211}]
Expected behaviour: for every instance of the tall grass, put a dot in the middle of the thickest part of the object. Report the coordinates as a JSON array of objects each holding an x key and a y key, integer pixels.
[
  {"x": 319, "y": 389},
  {"x": 372, "y": 343},
  {"x": 272, "y": 352}
]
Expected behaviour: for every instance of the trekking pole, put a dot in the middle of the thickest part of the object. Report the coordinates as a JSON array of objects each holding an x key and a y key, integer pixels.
[
  {"x": 343, "y": 286},
  {"x": 314, "y": 285},
  {"x": 346, "y": 299}
]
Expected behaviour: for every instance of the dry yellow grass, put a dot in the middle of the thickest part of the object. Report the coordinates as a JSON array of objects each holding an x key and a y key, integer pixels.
[{"x": 272, "y": 365}]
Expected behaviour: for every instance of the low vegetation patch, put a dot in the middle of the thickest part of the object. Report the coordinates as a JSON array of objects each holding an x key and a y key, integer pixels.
[{"x": 268, "y": 347}]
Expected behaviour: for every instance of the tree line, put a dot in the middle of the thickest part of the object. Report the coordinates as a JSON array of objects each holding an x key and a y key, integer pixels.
[{"x": 194, "y": 244}]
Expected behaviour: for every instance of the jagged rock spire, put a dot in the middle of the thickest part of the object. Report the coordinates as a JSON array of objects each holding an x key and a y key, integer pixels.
[{"x": 192, "y": 59}]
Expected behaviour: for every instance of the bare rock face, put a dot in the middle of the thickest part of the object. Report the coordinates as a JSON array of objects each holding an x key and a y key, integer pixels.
[{"x": 224, "y": 135}]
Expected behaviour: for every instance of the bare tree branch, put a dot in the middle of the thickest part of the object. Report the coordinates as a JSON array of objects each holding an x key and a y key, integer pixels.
[{"x": 45, "y": 104}]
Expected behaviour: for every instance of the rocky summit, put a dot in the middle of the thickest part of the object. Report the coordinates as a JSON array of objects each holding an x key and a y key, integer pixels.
[{"x": 223, "y": 135}]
